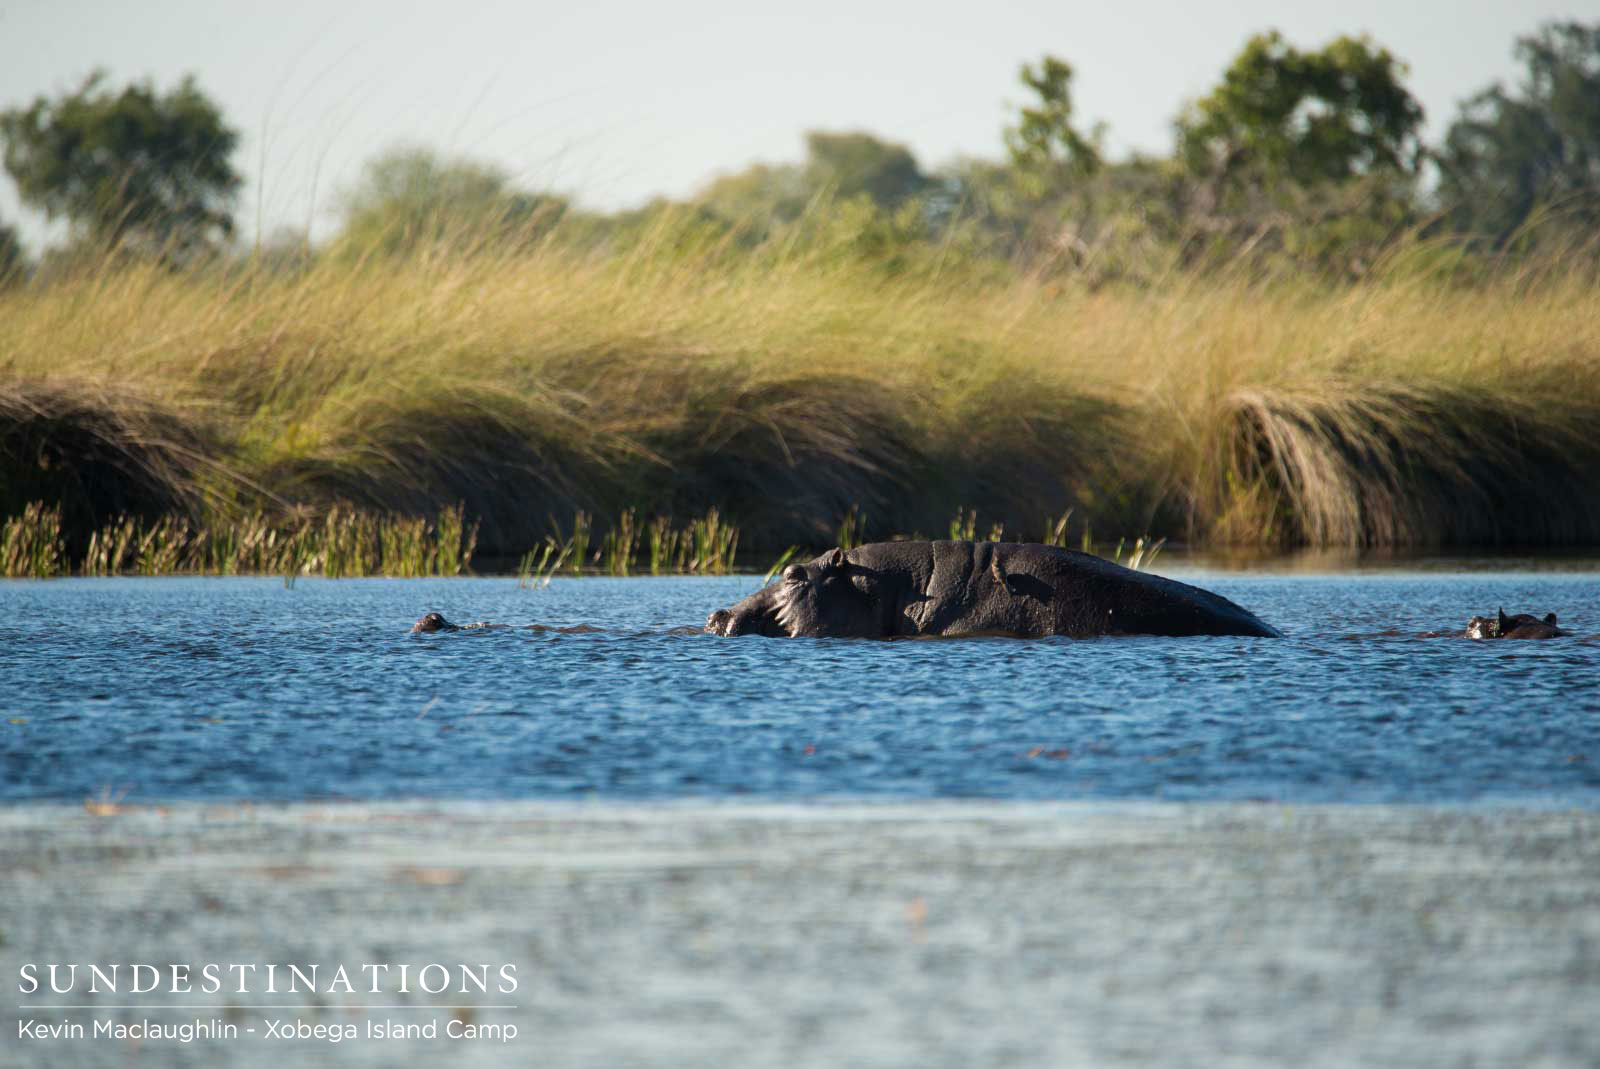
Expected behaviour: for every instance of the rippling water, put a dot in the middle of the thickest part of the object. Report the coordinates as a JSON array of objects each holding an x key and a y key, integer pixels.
[{"x": 245, "y": 689}]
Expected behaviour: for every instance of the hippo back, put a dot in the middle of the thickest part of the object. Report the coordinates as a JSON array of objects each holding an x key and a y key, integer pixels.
[{"x": 975, "y": 588}]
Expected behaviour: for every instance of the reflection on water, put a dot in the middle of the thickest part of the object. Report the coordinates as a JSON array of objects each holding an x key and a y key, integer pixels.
[{"x": 240, "y": 688}]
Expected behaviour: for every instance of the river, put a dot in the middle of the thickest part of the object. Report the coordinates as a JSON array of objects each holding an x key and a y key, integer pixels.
[{"x": 148, "y": 690}]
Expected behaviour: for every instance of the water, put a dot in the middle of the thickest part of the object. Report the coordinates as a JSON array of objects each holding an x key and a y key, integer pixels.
[{"x": 168, "y": 689}]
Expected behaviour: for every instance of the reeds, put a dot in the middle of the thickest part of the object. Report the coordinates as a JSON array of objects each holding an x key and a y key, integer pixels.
[
  {"x": 707, "y": 545},
  {"x": 30, "y": 544},
  {"x": 342, "y": 543}
]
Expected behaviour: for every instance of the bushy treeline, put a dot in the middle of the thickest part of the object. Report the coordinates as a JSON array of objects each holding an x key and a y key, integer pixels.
[{"x": 1296, "y": 158}]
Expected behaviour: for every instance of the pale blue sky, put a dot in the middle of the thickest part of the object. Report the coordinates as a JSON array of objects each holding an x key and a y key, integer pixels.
[{"x": 615, "y": 102}]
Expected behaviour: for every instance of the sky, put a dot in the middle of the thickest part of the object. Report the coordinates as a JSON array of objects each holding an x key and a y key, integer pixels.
[{"x": 615, "y": 102}]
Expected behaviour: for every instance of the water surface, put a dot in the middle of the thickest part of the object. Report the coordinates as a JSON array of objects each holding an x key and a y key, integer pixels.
[{"x": 151, "y": 689}]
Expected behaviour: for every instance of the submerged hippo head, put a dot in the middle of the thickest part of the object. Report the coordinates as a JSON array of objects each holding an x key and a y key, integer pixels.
[
  {"x": 829, "y": 596},
  {"x": 431, "y": 623},
  {"x": 1522, "y": 625}
]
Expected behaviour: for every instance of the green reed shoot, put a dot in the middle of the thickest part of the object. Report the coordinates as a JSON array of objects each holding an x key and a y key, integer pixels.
[
  {"x": 1055, "y": 531},
  {"x": 715, "y": 544},
  {"x": 109, "y": 547},
  {"x": 1141, "y": 554},
  {"x": 663, "y": 540},
  {"x": 619, "y": 544},
  {"x": 964, "y": 527},
  {"x": 541, "y": 563},
  {"x": 31, "y": 544},
  {"x": 580, "y": 541},
  {"x": 778, "y": 565},
  {"x": 852, "y": 529}
]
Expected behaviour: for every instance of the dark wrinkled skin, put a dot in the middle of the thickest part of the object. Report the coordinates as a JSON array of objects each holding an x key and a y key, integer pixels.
[
  {"x": 1522, "y": 625},
  {"x": 431, "y": 623},
  {"x": 924, "y": 589}
]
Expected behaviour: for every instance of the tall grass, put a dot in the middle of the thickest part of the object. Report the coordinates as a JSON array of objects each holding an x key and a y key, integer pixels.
[
  {"x": 342, "y": 543},
  {"x": 30, "y": 544},
  {"x": 790, "y": 389},
  {"x": 707, "y": 545}
]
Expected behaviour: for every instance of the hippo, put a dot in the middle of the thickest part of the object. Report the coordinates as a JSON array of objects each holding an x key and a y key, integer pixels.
[
  {"x": 431, "y": 623},
  {"x": 435, "y": 622},
  {"x": 1522, "y": 625},
  {"x": 924, "y": 589}
]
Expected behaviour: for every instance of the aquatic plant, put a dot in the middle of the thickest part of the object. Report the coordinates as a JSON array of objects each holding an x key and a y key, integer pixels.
[
  {"x": 1142, "y": 554},
  {"x": 343, "y": 543},
  {"x": 852, "y": 528},
  {"x": 31, "y": 545},
  {"x": 619, "y": 545},
  {"x": 964, "y": 527},
  {"x": 778, "y": 565}
]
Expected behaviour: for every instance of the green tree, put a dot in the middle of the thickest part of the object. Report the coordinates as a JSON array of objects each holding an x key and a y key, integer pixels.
[
  {"x": 1044, "y": 205},
  {"x": 1305, "y": 116},
  {"x": 841, "y": 166},
  {"x": 1315, "y": 154},
  {"x": 856, "y": 164},
  {"x": 130, "y": 169},
  {"x": 412, "y": 196},
  {"x": 1507, "y": 154},
  {"x": 1044, "y": 144},
  {"x": 760, "y": 196},
  {"x": 12, "y": 262}
]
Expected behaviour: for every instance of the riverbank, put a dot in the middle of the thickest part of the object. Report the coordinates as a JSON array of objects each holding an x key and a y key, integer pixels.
[
  {"x": 936, "y": 934},
  {"x": 804, "y": 394}
]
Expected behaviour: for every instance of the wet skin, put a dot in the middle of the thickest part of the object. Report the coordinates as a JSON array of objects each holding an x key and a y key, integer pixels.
[
  {"x": 1521, "y": 626},
  {"x": 925, "y": 589}
]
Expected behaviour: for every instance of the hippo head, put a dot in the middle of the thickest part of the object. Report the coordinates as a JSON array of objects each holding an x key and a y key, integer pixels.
[
  {"x": 826, "y": 597},
  {"x": 1501, "y": 625},
  {"x": 431, "y": 623}
]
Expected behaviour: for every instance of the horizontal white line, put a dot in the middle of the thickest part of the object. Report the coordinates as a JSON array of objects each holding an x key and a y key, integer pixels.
[{"x": 264, "y": 1006}]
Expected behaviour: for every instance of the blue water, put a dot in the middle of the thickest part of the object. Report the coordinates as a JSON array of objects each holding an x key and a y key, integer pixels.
[{"x": 245, "y": 689}]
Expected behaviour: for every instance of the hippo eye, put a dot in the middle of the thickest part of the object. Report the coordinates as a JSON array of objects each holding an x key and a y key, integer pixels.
[{"x": 794, "y": 573}]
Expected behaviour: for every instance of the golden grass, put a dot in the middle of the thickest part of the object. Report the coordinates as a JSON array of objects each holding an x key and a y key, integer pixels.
[{"x": 791, "y": 388}]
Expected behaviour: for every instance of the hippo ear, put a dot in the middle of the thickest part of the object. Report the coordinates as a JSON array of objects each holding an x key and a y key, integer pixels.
[
  {"x": 835, "y": 560},
  {"x": 1550, "y": 618},
  {"x": 794, "y": 573},
  {"x": 1505, "y": 621}
]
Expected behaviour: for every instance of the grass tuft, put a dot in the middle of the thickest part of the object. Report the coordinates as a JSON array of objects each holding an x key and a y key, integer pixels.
[
  {"x": 395, "y": 414},
  {"x": 31, "y": 544}
]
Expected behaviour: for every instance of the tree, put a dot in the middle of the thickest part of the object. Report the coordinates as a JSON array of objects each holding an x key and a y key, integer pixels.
[
  {"x": 842, "y": 166},
  {"x": 853, "y": 164},
  {"x": 131, "y": 169},
  {"x": 1044, "y": 144},
  {"x": 1304, "y": 117},
  {"x": 1506, "y": 155},
  {"x": 412, "y": 196},
  {"x": 760, "y": 196},
  {"x": 1311, "y": 154},
  {"x": 12, "y": 262},
  {"x": 1043, "y": 204}
]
